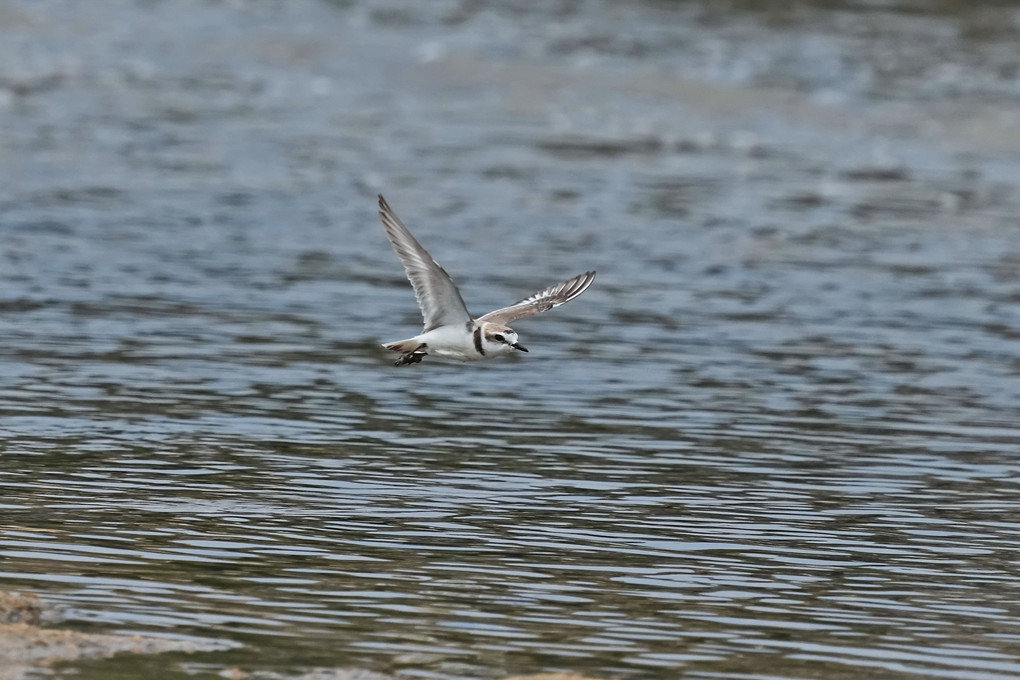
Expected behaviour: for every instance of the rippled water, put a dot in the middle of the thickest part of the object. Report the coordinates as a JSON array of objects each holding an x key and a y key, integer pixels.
[{"x": 777, "y": 439}]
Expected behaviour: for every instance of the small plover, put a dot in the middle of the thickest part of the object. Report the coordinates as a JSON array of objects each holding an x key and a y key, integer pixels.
[{"x": 450, "y": 331}]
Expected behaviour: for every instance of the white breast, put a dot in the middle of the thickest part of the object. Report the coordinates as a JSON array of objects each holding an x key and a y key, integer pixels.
[{"x": 451, "y": 342}]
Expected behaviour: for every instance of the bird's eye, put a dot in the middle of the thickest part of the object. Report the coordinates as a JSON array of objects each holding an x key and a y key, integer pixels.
[{"x": 499, "y": 338}]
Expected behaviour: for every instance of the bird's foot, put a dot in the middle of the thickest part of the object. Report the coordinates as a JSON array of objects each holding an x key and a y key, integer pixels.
[{"x": 413, "y": 357}]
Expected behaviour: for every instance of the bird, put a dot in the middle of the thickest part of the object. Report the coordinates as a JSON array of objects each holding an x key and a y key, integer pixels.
[{"x": 450, "y": 331}]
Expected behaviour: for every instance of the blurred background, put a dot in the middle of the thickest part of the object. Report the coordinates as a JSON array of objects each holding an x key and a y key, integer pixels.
[{"x": 778, "y": 438}]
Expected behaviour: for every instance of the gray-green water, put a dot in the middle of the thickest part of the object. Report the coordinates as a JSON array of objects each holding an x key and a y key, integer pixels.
[{"x": 779, "y": 438}]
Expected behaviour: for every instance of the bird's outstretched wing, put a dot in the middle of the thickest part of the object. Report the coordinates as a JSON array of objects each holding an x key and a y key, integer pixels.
[
  {"x": 437, "y": 294},
  {"x": 553, "y": 296}
]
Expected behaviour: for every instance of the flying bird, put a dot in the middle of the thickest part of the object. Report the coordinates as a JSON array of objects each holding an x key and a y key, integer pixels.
[{"x": 450, "y": 331}]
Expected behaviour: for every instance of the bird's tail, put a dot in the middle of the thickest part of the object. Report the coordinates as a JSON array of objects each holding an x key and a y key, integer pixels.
[{"x": 403, "y": 346}]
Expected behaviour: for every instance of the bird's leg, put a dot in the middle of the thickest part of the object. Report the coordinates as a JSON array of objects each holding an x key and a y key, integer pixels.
[{"x": 413, "y": 357}]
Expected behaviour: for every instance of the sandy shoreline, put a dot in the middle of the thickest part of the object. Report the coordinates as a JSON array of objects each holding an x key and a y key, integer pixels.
[{"x": 25, "y": 646}]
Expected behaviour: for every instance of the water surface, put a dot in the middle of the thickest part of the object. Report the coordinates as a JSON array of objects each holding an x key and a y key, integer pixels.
[{"x": 777, "y": 438}]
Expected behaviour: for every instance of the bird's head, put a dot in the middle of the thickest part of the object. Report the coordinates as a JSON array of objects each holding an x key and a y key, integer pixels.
[{"x": 500, "y": 339}]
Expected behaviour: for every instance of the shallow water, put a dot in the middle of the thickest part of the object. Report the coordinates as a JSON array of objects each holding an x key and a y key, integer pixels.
[{"x": 778, "y": 438}]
